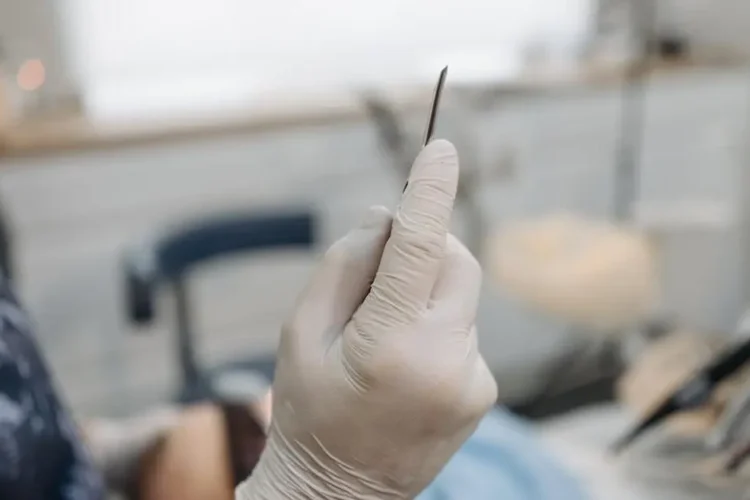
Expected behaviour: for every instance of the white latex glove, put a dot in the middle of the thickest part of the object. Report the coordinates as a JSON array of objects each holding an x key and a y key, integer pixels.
[{"x": 379, "y": 380}]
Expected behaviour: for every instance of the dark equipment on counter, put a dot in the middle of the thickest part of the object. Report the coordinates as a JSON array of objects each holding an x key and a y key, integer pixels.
[{"x": 694, "y": 393}]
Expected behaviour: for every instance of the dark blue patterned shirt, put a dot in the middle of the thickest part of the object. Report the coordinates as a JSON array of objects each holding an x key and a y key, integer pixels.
[{"x": 41, "y": 455}]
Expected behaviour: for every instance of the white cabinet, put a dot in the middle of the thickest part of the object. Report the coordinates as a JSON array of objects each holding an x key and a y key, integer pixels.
[{"x": 695, "y": 130}]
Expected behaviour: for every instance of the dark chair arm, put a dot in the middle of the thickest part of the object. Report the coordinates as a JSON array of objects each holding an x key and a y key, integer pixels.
[{"x": 177, "y": 253}]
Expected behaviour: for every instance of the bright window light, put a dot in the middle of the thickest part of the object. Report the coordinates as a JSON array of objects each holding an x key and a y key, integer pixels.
[{"x": 148, "y": 56}]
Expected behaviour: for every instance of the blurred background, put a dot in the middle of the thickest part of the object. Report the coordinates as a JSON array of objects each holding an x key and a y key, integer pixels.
[{"x": 277, "y": 124}]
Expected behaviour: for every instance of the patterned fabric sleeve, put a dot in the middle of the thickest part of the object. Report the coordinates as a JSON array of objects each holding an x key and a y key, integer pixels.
[{"x": 41, "y": 454}]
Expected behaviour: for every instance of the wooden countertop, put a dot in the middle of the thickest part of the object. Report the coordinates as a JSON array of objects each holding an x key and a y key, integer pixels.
[
  {"x": 47, "y": 136},
  {"x": 76, "y": 132}
]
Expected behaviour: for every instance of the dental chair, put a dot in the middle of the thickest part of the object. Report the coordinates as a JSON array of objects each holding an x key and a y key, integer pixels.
[{"x": 172, "y": 257}]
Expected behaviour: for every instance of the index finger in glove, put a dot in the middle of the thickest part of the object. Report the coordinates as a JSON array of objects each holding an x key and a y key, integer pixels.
[
  {"x": 412, "y": 256},
  {"x": 458, "y": 287}
]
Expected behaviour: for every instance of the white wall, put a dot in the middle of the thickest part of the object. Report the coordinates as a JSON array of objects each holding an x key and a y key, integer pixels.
[
  {"x": 31, "y": 29},
  {"x": 711, "y": 25},
  {"x": 75, "y": 214}
]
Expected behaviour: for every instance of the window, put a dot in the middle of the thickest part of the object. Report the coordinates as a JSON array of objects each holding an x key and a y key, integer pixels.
[{"x": 139, "y": 56}]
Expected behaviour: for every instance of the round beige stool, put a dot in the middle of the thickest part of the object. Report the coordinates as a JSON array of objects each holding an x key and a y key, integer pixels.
[{"x": 586, "y": 272}]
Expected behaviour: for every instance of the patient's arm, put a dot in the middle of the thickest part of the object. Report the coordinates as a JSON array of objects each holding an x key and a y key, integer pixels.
[
  {"x": 118, "y": 447},
  {"x": 204, "y": 455}
]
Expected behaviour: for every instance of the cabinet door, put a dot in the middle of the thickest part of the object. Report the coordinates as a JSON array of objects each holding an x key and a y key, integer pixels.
[
  {"x": 565, "y": 148},
  {"x": 691, "y": 133},
  {"x": 691, "y": 157}
]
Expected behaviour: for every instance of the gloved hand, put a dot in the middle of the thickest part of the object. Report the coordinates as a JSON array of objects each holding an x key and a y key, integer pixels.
[{"x": 379, "y": 380}]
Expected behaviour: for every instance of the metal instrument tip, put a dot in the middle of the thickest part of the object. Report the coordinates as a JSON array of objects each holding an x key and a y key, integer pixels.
[{"x": 430, "y": 129}]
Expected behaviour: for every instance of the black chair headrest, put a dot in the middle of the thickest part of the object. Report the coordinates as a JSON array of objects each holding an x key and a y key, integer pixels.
[{"x": 178, "y": 252}]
